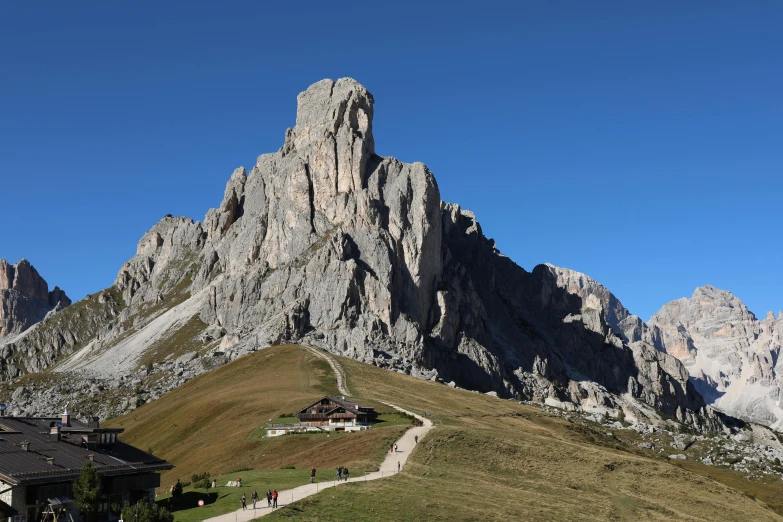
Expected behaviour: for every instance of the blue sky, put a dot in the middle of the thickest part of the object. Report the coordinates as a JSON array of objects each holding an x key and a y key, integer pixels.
[{"x": 640, "y": 143}]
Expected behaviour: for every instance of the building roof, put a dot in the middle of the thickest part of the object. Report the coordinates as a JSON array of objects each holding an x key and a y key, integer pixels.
[
  {"x": 342, "y": 402},
  {"x": 18, "y": 466}
]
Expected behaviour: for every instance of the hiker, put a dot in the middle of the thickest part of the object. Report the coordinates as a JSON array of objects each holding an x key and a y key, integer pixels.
[
  {"x": 416, "y": 438},
  {"x": 398, "y": 466},
  {"x": 391, "y": 448},
  {"x": 274, "y": 499},
  {"x": 254, "y": 498},
  {"x": 244, "y": 502},
  {"x": 339, "y": 473},
  {"x": 312, "y": 475},
  {"x": 345, "y": 474},
  {"x": 268, "y": 498},
  {"x": 395, "y": 447}
]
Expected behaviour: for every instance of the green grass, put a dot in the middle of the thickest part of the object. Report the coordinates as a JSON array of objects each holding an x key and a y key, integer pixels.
[{"x": 224, "y": 499}]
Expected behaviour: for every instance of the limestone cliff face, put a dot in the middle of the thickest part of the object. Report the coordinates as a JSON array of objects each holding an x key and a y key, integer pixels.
[
  {"x": 731, "y": 355},
  {"x": 25, "y": 298},
  {"x": 325, "y": 242},
  {"x": 631, "y": 328}
]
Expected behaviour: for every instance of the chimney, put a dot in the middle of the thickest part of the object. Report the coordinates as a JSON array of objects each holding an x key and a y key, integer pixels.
[
  {"x": 54, "y": 432},
  {"x": 91, "y": 457},
  {"x": 94, "y": 423},
  {"x": 25, "y": 444},
  {"x": 2, "y": 410},
  {"x": 50, "y": 461},
  {"x": 66, "y": 418}
]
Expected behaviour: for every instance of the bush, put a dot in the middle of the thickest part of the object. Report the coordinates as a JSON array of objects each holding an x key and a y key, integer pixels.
[
  {"x": 143, "y": 512},
  {"x": 201, "y": 481}
]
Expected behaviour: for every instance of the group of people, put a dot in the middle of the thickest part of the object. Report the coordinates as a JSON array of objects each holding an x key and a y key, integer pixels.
[
  {"x": 342, "y": 473},
  {"x": 271, "y": 499}
]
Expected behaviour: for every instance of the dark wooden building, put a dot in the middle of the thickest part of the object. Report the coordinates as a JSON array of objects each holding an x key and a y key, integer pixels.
[
  {"x": 337, "y": 412},
  {"x": 40, "y": 458}
]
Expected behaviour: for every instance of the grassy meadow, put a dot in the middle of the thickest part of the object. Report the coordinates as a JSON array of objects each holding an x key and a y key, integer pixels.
[
  {"x": 486, "y": 459},
  {"x": 491, "y": 459}
]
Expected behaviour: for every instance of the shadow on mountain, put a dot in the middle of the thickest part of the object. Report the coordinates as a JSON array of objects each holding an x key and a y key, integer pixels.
[
  {"x": 520, "y": 321},
  {"x": 707, "y": 390}
]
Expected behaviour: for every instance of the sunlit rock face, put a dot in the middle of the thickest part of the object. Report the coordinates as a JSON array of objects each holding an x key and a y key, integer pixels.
[
  {"x": 325, "y": 242},
  {"x": 25, "y": 298},
  {"x": 733, "y": 357}
]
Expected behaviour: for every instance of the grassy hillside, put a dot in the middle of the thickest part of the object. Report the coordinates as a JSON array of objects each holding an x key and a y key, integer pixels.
[
  {"x": 487, "y": 459},
  {"x": 214, "y": 422},
  {"x": 491, "y": 459}
]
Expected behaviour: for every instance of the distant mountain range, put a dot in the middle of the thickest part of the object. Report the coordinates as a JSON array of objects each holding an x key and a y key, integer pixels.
[
  {"x": 327, "y": 243},
  {"x": 731, "y": 356},
  {"x": 25, "y": 298}
]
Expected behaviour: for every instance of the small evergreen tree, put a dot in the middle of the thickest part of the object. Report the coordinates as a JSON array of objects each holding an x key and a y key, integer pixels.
[
  {"x": 143, "y": 512},
  {"x": 87, "y": 489},
  {"x": 177, "y": 491}
]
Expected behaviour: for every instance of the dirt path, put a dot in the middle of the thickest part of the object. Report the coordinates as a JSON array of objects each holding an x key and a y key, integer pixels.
[
  {"x": 391, "y": 465},
  {"x": 336, "y": 368}
]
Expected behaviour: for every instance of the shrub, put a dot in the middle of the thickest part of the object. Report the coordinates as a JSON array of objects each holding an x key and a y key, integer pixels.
[
  {"x": 143, "y": 512},
  {"x": 201, "y": 481}
]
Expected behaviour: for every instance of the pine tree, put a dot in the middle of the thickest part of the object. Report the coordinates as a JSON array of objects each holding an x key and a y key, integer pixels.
[{"x": 87, "y": 490}]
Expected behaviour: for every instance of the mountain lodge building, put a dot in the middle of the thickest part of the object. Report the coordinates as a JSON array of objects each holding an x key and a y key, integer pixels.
[{"x": 328, "y": 414}]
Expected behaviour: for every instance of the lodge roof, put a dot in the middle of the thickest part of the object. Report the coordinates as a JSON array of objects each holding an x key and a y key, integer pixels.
[
  {"x": 20, "y": 466},
  {"x": 349, "y": 405}
]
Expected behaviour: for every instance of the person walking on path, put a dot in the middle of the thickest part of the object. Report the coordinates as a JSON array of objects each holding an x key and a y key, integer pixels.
[
  {"x": 416, "y": 438},
  {"x": 345, "y": 474},
  {"x": 274, "y": 499},
  {"x": 312, "y": 475},
  {"x": 339, "y": 474},
  {"x": 269, "y": 498},
  {"x": 244, "y": 502},
  {"x": 254, "y": 498},
  {"x": 395, "y": 447},
  {"x": 398, "y": 466}
]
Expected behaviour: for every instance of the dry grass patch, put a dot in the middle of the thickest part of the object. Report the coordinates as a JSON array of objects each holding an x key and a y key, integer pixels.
[{"x": 206, "y": 424}]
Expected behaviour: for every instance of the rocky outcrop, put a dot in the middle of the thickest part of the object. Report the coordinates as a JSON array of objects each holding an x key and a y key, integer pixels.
[
  {"x": 25, "y": 298},
  {"x": 327, "y": 243},
  {"x": 631, "y": 328},
  {"x": 732, "y": 357}
]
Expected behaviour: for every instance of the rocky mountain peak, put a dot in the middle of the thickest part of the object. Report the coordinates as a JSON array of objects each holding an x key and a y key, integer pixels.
[
  {"x": 341, "y": 107},
  {"x": 25, "y": 298},
  {"x": 326, "y": 243},
  {"x": 708, "y": 295}
]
